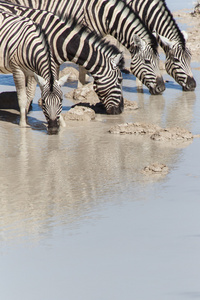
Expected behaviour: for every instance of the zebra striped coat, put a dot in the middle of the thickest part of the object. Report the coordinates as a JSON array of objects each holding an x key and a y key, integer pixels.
[
  {"x": 158, "y": 18},
  {"x": 70, "y": 41},
  {"x": 25, "y": 53},
  {"x": 115, "y": 18}
]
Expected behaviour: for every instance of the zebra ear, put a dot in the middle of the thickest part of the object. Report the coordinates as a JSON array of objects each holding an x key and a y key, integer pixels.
[
  {"x": 185, "y": 35},
  {"x": 155, "y": 33},
  {"x": 116, "y": 61},
  {"x": 63, "y": 79},
  {"x": 138, "y": 42},
  {"x": 40, "y": 80}
]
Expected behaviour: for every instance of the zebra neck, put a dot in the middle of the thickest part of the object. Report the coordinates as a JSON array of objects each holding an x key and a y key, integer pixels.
[
  {"x": 156, "y": 15},
  {"x": 44, "y": 65},
  {"x": 85, "y": 49}
]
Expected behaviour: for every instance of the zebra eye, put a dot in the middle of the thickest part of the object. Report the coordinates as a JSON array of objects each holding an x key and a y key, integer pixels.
[
  {"x": 147, "y": 61},
  {"x": 176, "y": 60},
  {"x": 120, "y": 79},
  {"x": 94, "y": 87}
]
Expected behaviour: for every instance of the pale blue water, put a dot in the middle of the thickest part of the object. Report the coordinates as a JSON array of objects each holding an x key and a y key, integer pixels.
[
  {"x": 179, "y": 4},
  {"x": 78, "y": 219}
]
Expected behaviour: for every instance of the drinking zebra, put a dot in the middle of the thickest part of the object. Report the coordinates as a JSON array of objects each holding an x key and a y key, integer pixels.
[
  {"x": 70, "y": 41},
  {"x": 158, "y": 18},
  {"x": 113, "y": 17},
  {"x": 25, "y": 53}
]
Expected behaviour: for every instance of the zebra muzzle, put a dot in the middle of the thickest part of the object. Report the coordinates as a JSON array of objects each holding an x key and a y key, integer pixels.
[
  {"x": 190, "y": 84},
  {"x": 116, "y": 110},
  {"x": 53, "y": 127},
  {"x": 159, "y": 86}
]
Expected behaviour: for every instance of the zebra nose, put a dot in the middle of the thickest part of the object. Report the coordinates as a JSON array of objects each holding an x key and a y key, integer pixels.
[
  {"x": 160, "y": 84},
  {"x": 190, "y": 84},
  {"x": 116, "y": 110},
  {"x": 53, "y": 127}
]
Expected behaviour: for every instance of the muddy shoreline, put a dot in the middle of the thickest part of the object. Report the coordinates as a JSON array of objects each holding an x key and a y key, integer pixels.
[{"x": 193, "y": 29}]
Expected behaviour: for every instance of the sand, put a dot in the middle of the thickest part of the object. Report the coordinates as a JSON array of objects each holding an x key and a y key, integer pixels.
[{"x": 192, "y": 20}]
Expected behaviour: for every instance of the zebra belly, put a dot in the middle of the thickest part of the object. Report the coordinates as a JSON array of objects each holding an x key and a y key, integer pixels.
[{"x": 5, "y": 69}]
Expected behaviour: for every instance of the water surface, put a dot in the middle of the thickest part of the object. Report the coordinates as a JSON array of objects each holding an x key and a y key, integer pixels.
[{"x": 78, "y": 218}]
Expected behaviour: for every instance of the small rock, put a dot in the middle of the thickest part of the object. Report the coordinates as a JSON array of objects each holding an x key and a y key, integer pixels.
[
  {"x": 79, "y": 113},
  {"x": 130, "y": 105},
  {"x": 86, "y": 94},
  {"x": 134, "y": 128},
  {"x": 40, "y": 102},
  {"x": 73, "y": 73},
  {"x": 83, "y": 93},
  {"x": 156, "y": 168},
  {"x": 175, "y": 133},
  {"x": 156, "y": 132}
]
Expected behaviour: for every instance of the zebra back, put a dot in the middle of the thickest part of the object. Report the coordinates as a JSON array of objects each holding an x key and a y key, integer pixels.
[
  {"x": 116, "y": 18},
  {"x": 100, "y": 15},
  {"x": 158, "y": 18}
]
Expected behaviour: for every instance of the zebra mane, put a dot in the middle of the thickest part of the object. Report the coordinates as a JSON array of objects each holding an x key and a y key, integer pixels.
[
  {"x": 108, "y": 48},
  {"x": 154, "y": 43},
  {"x": 174, "y": 25},
  {"x": 48, "y": 51},
  {"x": 148, "y": 37}
]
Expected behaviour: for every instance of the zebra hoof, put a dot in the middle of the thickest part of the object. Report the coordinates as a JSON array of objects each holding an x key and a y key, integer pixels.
[{"x": 24, "y": 125}]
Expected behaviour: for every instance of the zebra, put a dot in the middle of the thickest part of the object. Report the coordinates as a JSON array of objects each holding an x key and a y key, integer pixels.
[
  {"x": 159, "y": 19},
  {"x": 71, "y": 41},
  {"x": 25, "y": 53},
  {"x": 113, "y": 17}
]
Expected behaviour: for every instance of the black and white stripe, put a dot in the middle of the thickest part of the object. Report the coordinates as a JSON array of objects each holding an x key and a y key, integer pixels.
[
  {"x": 73, "y": 42},
  {"x": 158, "y": 18},
  {"x": 25, "y": 52},
  {"x": 113, "y": 17}
]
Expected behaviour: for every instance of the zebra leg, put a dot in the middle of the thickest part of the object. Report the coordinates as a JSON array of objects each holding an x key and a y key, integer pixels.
[
  {"x": 20, "y": 84},
  {"x": 30, "y": 90}
]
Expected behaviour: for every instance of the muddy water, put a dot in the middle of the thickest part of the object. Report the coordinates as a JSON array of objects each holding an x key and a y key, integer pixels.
[{"x": 80, "y": 220}]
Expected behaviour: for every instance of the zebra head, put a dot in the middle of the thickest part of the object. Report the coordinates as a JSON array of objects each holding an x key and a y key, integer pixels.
[
  {"x": 177, "y": 64},
  {"x": 108, "y": 85},
  {"x": 52, "y": 96},
  {"x": 145, "y": 65}
]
